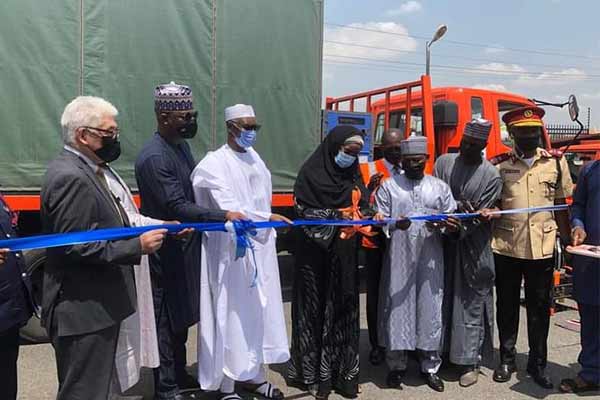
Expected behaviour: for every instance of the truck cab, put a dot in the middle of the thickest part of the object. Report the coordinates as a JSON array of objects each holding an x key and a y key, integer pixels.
[
  {"x": 438, "y": 113},
  {"x": 584, "y": 150}
]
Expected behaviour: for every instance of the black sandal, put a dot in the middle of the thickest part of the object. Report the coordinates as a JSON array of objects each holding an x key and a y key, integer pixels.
[
  {"x": 229, "y": 396},
  {"x": 577, "y": 385},
  {"x": 265, "y": 390}
]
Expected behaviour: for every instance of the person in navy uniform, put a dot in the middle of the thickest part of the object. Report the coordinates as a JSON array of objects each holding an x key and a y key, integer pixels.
[
  {"x": 15, "y": 306},
  {"x": 585, "y": 218}
]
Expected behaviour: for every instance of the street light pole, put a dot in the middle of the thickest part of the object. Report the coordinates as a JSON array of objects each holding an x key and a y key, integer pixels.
[
  {"x": 427, "y": 57},
  {"x": 440, "y": 31}
]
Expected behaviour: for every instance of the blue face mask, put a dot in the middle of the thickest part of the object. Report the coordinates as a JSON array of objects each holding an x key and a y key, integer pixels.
[
  {"x": 344, "y": 160},
  {"x": 246, "y": 139}
]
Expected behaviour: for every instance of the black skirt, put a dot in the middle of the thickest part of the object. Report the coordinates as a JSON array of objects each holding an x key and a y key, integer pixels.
[{"x": 325, "y": 315}]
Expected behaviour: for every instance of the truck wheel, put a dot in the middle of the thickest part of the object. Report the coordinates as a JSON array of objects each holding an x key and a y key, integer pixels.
[{"x": 34, "y": 332}]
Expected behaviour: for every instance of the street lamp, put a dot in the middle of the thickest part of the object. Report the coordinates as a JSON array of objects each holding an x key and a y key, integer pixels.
[{"x": 441, "y": 30}]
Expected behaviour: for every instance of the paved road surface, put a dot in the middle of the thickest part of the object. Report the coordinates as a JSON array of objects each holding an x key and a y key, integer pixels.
[{"x": 37, "y": 371}]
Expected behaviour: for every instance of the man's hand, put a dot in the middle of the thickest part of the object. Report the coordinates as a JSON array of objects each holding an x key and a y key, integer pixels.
[
  {"x": 465, "y": 206},
  {"x": 183, "y": 234},
  {"x": 152, "y": 240},
  {"x": 374, "y": 181},
  {"x": 578, "y": 236},
  {"x": 379, "y": 217},
  {"x": 486, "y": 214},
  {"x": 235, "y": 216},
  {"x": 3, "y": 254},
  {"x": 403, "y": 223},
  {"x": 280, "y": 218},
  {"x": 452, "y": 224},
  {"x": 433, "y": 226}
]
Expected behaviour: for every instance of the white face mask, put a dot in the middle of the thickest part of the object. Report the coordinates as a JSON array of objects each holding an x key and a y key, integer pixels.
[{"x": 344, "y": 160}]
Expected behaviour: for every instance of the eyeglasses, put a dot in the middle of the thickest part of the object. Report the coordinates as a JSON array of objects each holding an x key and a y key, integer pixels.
[
  {"x": 186, "y": 115},
  {"x": 253, "y": 127},
  {"x": 112, "y": 133}
]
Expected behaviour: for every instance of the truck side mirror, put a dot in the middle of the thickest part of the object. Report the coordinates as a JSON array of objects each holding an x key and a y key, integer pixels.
[
  {"x": 445, "y": 114},
  {"x": 573, "y": 108}
]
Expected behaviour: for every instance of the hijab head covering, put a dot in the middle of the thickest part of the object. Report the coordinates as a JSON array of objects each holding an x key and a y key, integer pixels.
[
  {"x": 321, "y": 183},
  {"x": 355, "y": 139}
]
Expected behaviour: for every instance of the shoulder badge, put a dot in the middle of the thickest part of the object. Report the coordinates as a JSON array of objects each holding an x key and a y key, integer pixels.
[
  {"x": 500, "y": 158},
  {"x": 552, "y": 153}
]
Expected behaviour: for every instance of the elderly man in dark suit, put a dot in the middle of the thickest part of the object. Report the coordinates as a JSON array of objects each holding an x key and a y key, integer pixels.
[
  {"x": 15, "y": 306},
  {"x": 89, "y": 288}
]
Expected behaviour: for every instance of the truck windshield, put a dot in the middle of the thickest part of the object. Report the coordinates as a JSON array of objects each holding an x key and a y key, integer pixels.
[{"x": 398, "y": 120}]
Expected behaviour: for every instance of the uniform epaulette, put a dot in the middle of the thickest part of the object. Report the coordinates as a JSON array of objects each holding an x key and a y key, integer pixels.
[
  {"x": 556, "y": 153},
  {"x": 500, "y": 158}
]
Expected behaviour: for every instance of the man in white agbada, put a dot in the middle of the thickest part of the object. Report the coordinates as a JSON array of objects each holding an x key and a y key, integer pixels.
[
  {"x": 242, "y": 324},
  {"x": 412, "y": 276}
]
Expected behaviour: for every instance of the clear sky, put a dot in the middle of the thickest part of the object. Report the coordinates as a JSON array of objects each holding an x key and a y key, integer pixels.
[{"x": 544, "y": 49}]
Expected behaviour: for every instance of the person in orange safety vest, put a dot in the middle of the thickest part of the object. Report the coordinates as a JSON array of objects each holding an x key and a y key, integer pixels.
[{"x": 373, "y": 173}]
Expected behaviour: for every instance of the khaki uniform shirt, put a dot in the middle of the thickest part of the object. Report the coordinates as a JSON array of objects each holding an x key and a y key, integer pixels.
[{"x": 530, "y": 236}]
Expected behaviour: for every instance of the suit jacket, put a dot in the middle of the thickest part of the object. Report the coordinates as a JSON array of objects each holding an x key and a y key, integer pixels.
[
  {"x": 586, "y": 214},
  {"x": 87, "y": 287},
  {"x": 162, "y": 171}
]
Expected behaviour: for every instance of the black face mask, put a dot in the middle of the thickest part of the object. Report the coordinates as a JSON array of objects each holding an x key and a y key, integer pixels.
[
  {"x": 414, "y": 170},
  {"x": 527, "y": 143},
  {"x": 110, "y": 150},
  {"x": 188, "y": 130},
  {"x": 392, "y": 155},
  {"x": 470, "y": 152}
]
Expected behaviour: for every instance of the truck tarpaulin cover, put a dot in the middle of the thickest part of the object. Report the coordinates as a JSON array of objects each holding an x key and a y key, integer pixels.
[{"x": 261, "y": 52}]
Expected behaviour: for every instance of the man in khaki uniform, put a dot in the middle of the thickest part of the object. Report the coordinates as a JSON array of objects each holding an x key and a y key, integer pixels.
[{"x": 523, "y": 244}]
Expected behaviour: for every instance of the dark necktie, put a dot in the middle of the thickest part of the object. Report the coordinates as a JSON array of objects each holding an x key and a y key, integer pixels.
[
  {"x": 130, "y": 275},
  {"x": 116, "y": 201}
]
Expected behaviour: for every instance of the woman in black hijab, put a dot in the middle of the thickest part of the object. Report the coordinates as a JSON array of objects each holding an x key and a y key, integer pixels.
[{"x": 325, "y": 304}]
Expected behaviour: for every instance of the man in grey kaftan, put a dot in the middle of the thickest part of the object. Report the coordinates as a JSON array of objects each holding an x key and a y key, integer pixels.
[
  {"x": 413, "y": 272},
  {"x": 469, "y": 262}
]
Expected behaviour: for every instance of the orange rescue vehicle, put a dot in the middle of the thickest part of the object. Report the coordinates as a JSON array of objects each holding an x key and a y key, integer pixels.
[{"x": 438, "y": 113}]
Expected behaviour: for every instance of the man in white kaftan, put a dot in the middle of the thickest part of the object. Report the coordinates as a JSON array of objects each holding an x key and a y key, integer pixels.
[
  {"x": 242, "y": 324},
  {"x": 137, "y": 345},
  {"x": 413, "y": 271}
]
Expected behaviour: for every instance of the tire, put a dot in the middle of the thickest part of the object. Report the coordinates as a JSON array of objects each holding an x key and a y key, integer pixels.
[{"x": 34, "y": 332}]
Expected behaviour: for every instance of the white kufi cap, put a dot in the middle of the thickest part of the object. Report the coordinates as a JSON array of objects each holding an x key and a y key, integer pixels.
[{"x": 239, "y": 111}]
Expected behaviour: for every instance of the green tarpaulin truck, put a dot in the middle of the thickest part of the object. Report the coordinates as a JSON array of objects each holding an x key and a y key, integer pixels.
[{"x": 261, "y": 52}]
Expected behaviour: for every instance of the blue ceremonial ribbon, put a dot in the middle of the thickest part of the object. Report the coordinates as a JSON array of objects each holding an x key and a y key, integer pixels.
[
  {"x": 443, "y": 217},
  {"x": 243, "y": 229}
]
